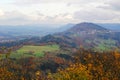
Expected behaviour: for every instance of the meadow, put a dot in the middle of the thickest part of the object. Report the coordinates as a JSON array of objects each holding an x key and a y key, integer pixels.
[{"x": 33, "y": 51}]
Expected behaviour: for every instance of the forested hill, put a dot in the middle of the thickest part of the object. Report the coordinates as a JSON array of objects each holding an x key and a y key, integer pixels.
[{"x": 89, "y": 35}]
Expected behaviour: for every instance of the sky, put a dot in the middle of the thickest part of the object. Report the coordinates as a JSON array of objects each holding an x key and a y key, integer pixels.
[{"x": 23, "y": 12}]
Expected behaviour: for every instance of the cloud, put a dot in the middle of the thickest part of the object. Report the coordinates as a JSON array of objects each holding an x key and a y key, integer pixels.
[
  {"x": 112, "y": 4},
  {"x": 44, "y": 1},
  {"x": 59, "y": 11},
  {"x": 1, "y": 12},
  {"x": 29, "y": 2},
  {"x": 14, "y": 18},
  {"x": 97, "y": 15},
  {"x": 67, "y": 2},
  {"x": 115, "y": 4},
  {"x": 18, "y": 18},
  {"x": 61, "y": 18}
]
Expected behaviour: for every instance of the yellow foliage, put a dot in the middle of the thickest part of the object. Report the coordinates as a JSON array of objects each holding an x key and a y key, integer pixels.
[
  {"x": 74, "y": 72},
  {"x": 6, "y": 75}
]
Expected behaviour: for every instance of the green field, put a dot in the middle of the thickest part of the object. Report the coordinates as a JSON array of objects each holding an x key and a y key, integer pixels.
[
  {"x": 105, "y": 45},
  {"x": 34, "y": 51}
]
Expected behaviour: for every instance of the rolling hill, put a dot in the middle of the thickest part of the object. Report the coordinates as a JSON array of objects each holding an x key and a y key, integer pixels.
[
  {"x": 111, "y": 26},
  {"x": 88, "y": 35}
]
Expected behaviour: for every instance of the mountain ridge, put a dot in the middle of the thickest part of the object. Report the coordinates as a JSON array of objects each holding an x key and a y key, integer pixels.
[
  {"x": 85, "y": 25},
  {"x": 89, "y": 35}
]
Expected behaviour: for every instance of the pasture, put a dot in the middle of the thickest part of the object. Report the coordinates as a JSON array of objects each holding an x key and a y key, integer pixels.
[{"x": 33, "y": 51}]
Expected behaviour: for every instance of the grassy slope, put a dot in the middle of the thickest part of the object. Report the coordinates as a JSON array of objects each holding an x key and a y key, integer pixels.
[
  {"x": 105, "y": 45},
  {"x": 35, "y": 51},
  {"x": 102, "y": 44}
]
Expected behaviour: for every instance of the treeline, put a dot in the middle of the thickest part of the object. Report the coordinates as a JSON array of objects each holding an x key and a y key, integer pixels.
[
  {"x": 81, "y": 65},
  {"x": 63, "y": 41}
]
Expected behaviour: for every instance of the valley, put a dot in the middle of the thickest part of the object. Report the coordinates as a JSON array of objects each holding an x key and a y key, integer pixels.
[
  {"x": 33, "y": 51},
  {"x": 55, "y": 55},
  {"x": 59, "y": 39},
  {"x": 88, "y": 35}
]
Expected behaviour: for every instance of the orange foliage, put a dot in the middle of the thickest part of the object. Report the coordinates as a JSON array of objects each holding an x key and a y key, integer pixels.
[
  {"x": 102, "y": 66},
  {"x": 6, "y": 75},
  {"x": 84, "y": 65},
  {"x": 74, "y": 72}
]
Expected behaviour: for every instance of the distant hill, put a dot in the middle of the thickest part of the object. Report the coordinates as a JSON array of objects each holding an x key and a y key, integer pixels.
[
  {"x": 86, "y": 27},
  {"x": 13, "y": 33},
  {"x": 27, "y": 30},
  {"x": 111, "y": 26},
  {"x": 89, "y": 35},
  {"x": 65, "y": 27}
]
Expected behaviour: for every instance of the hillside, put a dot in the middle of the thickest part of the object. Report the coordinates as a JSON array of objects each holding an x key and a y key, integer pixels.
[
  {"x": 59, "y": 56},
  {"x": 88, "y": 35},
  {"x": 86, "y": 27},
  {"x": 111, "y": 26}
]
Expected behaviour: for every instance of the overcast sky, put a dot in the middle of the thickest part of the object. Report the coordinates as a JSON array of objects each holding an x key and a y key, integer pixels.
[{"x": 22, "y": 12}]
